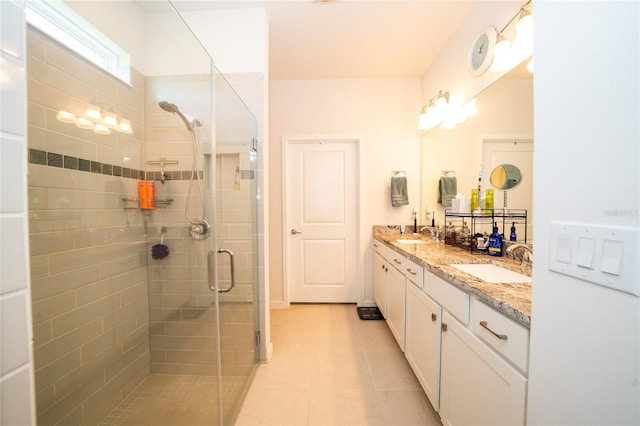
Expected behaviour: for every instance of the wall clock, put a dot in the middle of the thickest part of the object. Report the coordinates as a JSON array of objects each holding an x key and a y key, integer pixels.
[{"x": 481, "y": 52}]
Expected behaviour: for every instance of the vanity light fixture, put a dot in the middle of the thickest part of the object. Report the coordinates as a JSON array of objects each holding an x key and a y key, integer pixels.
[
  {"x": 507, "y": 54},
  {"x": 443, "y": 109},
  {"x": 98, "y": 119}
]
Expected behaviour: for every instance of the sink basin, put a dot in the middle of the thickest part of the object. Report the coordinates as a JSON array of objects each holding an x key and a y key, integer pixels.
[
  {"x": 411, "y": 242},
  {"x": 492, "y": 273}
]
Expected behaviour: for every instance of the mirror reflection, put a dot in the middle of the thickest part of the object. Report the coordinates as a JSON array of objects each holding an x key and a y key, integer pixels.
[
  {"x": 505, "y": 177},
  {"x": 501, "y": 133}
]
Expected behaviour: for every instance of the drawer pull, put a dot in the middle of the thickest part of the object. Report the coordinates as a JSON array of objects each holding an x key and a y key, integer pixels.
[
  {"x": 483, "y": 324},
  {"x": 443, "y": 327},
  {"x": 434, "y": 317},
  {"x": 397, "y": 261},
  {"x": 411, "y": 272},
  {"x": 375, "y": 245}
]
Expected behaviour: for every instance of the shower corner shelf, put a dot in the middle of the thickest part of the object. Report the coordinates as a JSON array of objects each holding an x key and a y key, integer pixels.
[{"x": 157, "y": 202}]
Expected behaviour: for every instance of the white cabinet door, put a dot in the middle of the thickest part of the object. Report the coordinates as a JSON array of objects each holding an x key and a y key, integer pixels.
[
  {"x": 379, "y": 283},
  {"x": 395, "y": 304},
  {"x": 424, "y": 317},
  {"x": 477, "y": 386}
]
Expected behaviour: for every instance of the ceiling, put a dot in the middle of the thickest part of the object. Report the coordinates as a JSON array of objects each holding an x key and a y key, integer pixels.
[{"x": 349, "y": 38}]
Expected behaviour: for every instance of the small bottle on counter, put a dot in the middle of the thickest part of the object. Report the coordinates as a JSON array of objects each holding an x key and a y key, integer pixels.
[
  {"x": 513, "y": 236},
  {"x": 495, "y": 242}
]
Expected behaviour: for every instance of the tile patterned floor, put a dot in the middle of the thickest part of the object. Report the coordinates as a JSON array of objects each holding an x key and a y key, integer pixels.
[{"x": 330, "y": 368}]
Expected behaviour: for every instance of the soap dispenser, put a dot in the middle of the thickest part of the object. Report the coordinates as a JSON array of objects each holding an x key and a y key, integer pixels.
[{"x": 513, "y": 236}]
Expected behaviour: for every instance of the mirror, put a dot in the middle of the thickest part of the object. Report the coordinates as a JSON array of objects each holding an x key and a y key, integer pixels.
[
  {"x": 495, "y": 136},
  {"x": 505, "y": 177}
]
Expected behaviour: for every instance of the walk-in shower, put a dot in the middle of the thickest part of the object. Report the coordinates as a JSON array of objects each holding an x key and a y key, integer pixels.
[{"x": 121, "y": 336}]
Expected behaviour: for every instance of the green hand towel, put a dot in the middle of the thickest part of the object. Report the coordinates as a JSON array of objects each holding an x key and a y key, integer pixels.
[
  {"x": 447, "y": 190},
  {"x": 399, "y": 196}
]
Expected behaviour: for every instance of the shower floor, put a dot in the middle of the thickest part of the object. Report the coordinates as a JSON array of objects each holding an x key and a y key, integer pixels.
[{"x": 176, "y": 400}]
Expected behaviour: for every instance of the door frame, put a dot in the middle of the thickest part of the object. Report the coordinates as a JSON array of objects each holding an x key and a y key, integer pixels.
[{"x": 307, "y": 139}]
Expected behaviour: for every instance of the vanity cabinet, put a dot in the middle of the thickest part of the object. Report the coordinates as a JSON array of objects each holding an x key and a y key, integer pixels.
[
  {"x": 477, "y": 385},
  {"x": 424, "y": 319},
  {"x": 380, "y": 270},
  {"x": 390, "y": 289},
  {"x": 396, "y": 292}
]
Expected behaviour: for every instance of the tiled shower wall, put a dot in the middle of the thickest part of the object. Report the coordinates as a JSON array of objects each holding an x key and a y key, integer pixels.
[
  {"x": 88, "y": 248},
  {"x": 16, "y": 364}
]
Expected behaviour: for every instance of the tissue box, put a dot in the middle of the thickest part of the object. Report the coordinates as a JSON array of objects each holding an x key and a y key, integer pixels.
[
  {"x": 455, "y": 205},
  {"x": 461, "y": 205}
]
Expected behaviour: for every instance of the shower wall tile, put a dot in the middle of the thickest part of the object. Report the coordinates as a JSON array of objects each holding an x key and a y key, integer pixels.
[
  {"x": 14, "y": 336},
  {"x": 51, "y": 307},
  {"x": 16, "y": 396},
  {"x": 13, "y": 264}
]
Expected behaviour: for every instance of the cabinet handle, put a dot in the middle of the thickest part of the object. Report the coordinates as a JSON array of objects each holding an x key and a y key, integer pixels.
[
  {"x": 411, "y": 272},
  {"x": 382, "y": 267},
  {"x": 375, "y": 245},
  {"x": 434, "y": 317},
  {"x": 397, "y": 261},
  {"x": 443, "y": 327},
  {"x": 483, "y": 324}
]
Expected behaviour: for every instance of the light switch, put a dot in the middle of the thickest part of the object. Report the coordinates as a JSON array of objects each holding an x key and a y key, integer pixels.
[
  {"x": 612, "y": 254},
  {"x": 586, "y": 251},
  {"x": 563, "y": 254}
]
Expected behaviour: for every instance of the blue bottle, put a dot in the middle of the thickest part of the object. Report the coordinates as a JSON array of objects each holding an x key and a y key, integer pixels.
[
  {"x": 495, "y": 242},
  {"x": 513, "y": 236}
]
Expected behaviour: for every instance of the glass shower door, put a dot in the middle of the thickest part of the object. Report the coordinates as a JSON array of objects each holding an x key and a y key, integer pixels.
[{"x": 236, "y": 225}]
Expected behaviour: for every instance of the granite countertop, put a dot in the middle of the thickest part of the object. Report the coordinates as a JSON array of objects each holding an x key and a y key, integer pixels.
[{"x": 512, "y": 299}]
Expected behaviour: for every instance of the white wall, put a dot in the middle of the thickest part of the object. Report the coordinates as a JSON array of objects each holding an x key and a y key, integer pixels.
[
  {"x": 17, "y": 398},
  {"x": 585, "y": 356},
  {"x": 385, "y": 113}
]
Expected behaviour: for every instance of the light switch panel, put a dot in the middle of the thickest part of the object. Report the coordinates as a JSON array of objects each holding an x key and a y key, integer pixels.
[
  {"x": 603, "y": 255},
  {"x": 586, "y": 252}
]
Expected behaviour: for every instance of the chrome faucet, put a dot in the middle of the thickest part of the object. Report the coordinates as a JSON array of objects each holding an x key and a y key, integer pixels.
[
  {"x": 527, "y": 256},
  {"x": 434, "y": 231}
]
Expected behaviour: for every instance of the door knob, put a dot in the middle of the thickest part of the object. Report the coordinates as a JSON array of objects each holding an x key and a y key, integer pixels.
[{"x": 294, "y": 232}]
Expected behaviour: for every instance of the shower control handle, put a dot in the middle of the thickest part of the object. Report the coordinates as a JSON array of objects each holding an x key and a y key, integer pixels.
[
  {"x": 212, "y": 285},
  {"x": 233, "y": 279}
]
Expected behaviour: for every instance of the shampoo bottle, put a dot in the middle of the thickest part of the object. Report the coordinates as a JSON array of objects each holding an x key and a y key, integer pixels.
[{"x": 495, "y": 242}]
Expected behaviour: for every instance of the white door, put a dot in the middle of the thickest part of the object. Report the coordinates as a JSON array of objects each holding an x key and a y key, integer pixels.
[
  {"x": 520, "y": 154},
  {"x": 321, "y": 220}
]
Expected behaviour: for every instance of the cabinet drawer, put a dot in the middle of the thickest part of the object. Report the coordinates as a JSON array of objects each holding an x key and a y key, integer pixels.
[
  {"x": 383, "y": 250},
  {"x": 414, "y": 273},
  {"x": 510, "y": 339},
  {"x": 450, "y": 297}
]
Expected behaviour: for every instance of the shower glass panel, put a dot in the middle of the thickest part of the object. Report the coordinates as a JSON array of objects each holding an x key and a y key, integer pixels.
[
  {"x": 126, "y": 327},
  {"x": 236, "y": 200}
]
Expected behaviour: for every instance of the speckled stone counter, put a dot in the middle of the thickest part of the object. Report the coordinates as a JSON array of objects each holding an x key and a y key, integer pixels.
[{"x": 512, "y": 299}]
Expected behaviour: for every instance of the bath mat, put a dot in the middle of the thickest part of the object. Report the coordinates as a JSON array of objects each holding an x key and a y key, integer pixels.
[{"x": 366, "y": 313}]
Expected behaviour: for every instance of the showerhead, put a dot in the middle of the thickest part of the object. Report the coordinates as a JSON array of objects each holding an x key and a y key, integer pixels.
[{"x": 173, "y": 108}]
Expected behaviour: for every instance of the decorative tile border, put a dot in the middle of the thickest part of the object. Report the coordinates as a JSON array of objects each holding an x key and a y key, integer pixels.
[{"x": 53, "y": 159}]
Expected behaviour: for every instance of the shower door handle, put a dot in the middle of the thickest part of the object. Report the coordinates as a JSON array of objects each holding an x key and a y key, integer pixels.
[
  {"x": 212, "y": 286},
  {"x": 233, "y": 279}
]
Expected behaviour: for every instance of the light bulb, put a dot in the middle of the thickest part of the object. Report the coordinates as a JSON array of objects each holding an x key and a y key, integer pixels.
[
  {"x": 84, "y": 123},
  {"x": 101, "y": 129},
  {"x": 93, "y": 112},
  {"x": 125, "y": 126},
  {"x": 501, "y": 55},
  {"x": 110, "y": 119},
  {"x": 470, "y": 108},
  {"x": 66, "y": 117}
]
